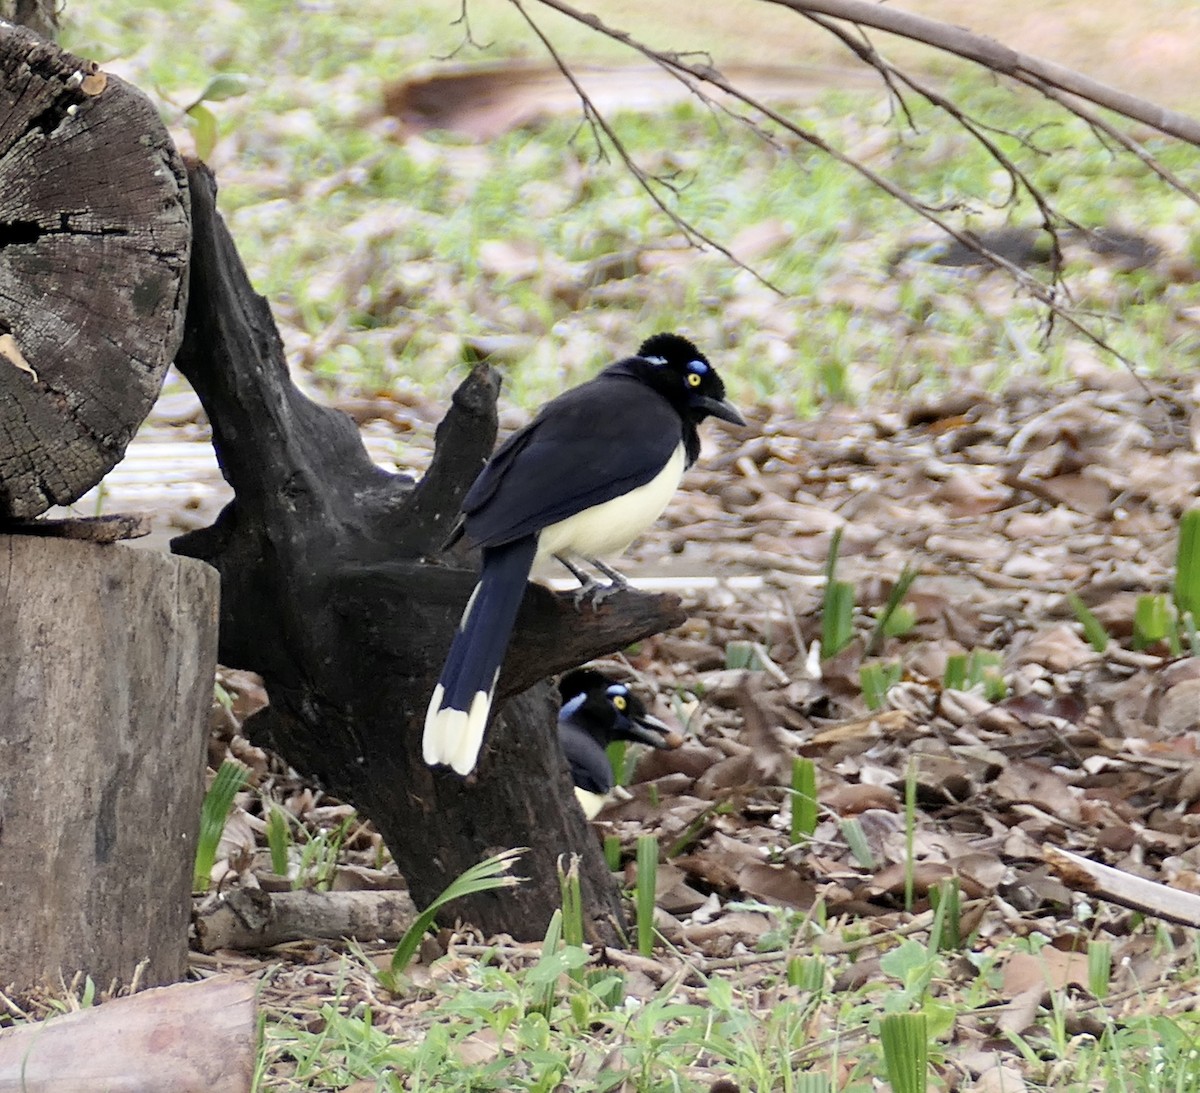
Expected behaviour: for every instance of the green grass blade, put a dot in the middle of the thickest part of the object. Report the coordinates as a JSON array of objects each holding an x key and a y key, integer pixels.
[
  {"x": 806, "y": 973},
  {"x": 876, "y": 679},
  {"x": 804, "y": 799},
  {"x": 891, "y": 621},
  {"x": 1151, "y": 620},
  {"x": 831, "y": 556},
  {"x": 1187, "y": 564},
  {"x": 947, "y": 903},
  {"x": 1093, "y": 629},
  {"x": 955, "y": 676},
  {"x": 905, "y": 1038},
  {"x": 618, "y": 753},
  {"x": 486, "y": 876},
  {"x": 612, "y": 852},
  {"x": 837, "y": 613},
  {"x": 871, "y": 682},
  {"x": 278, "y": 839},
  {"x": 543, "y": 993},
  {"x": 572, "y": 901},
  {"x": 1099, "y": 955},
  {"x": 856, "y": 840},
  {"x": 213, "y": 814},
  {"x": 811, "y": 1083},
  {"x": 647, "y": 876},
  {"x": 910, "y": 832},
  {"x": 837, "y": 619}
]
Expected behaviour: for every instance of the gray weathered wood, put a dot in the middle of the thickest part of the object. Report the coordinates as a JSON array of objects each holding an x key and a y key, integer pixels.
[
  {"x": 190, "y": 1038},
  {"x": 94, "y": 240},
  {"x": 40, "y": 16},
  {"x": 249, "y": 918},
  {"x": 107, "y": 656}
]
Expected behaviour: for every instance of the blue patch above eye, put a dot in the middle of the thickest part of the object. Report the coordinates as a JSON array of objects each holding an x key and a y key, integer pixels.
[
  {"x": 617, "y": 689},
  {"x": 699, "y": 367},
  {"x": 571, "y": 707}
]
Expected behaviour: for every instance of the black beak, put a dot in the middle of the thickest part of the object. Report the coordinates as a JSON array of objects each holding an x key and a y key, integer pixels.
[
  {"x": 719, "y": 408},
  {"x": 649, "y": 730}
]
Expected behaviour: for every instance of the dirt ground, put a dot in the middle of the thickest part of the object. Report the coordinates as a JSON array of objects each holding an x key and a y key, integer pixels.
[{"x": 1002, "y": 504}]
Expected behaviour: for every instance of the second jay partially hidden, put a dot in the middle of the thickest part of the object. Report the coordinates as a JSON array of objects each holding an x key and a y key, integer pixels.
[
  {"x": 595, "y": 712},
  {"x": 590, "y": 473}
]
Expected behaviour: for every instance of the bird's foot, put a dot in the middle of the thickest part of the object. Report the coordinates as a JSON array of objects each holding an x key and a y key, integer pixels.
[
  {"x": 602, "y": 592},
  {"x": 616, "y": 583},
  {"x": 589, "y": 590}
]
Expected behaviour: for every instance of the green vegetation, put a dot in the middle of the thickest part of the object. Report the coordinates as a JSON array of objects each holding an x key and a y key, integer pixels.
[
  {"x": 392, "y": 263},
  {"x": 647, "y": 874},
  {"x": 905, "y": 1039},
  {"x": 804, "y": 799},
  {"x": 1160, "y": 619},
  {"x": 488, "y": 876},
  {"x": 837, "y": 608},
  {"x": 387, "y": 260},
  {"x": 538, "y": 1017},
  {"x": 214, "y": 810}
]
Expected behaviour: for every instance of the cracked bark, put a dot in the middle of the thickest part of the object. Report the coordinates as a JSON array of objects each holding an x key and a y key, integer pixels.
[
  {"x": 328, "y": 591},
  {"x": 94, "y": 238}
]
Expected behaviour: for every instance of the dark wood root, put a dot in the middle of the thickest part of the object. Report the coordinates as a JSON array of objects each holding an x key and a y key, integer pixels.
[{"x": 333, "y": 589}]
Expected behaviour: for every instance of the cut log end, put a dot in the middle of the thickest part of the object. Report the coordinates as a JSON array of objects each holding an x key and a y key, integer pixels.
[{"x": 93, "y": 265}]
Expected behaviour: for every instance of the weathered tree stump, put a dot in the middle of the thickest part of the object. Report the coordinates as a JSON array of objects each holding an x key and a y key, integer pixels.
[
  {"x": 94, "y": 239},
  {"x": 106, "y": 675},
  {"x": 329, "y": 591}
]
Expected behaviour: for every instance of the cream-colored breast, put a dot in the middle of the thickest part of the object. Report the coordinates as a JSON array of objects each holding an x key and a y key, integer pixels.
[{"x": 608, "y": 528}]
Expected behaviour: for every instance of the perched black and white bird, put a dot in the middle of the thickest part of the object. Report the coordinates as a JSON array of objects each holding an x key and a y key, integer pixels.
[
  {"x": 590, "y": 473},
  {"x": 595, "y": 712}
]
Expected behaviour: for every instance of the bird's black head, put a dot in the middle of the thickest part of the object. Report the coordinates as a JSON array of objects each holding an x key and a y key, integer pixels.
[
  {"x": 679, "y": 371},
  {"x": 610, "y": 711}
]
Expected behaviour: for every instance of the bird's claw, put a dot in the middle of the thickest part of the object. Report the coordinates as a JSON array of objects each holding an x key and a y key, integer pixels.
[
  {"x": 595, "y": 593},
  {"x": 588, "y": 590},
  {"x": 605, "y": 591}
]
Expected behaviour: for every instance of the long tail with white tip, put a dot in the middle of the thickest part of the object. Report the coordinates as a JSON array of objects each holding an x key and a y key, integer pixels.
[{"x": 458, "y": 711}]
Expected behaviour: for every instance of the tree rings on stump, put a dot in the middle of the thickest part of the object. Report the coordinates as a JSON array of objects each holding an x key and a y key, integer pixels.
[{"x": 94, "y": 240}]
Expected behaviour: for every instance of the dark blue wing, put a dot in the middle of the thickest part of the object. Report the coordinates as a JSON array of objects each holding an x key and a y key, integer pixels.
[{"x": 593, "y": 443}]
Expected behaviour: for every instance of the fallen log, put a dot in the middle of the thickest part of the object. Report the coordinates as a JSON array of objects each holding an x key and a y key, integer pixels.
[
  {"x": 188, "y": 1038},
  {"x": 249, "y": 918},
  {"x": 1137, "y": 893}
]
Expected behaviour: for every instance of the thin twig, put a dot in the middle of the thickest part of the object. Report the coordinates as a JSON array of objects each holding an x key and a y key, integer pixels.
[
  {"x": 689, "y": 230},
  {"x": 1099, "y": 123},
  {"x": 463, "y": 20},
  {"x": 1046, "y": 295}
]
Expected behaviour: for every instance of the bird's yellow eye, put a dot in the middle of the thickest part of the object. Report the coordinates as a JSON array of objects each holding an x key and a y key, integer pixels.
[
  {"x": 693, "y": 379},
  {"x": 620, "y": 702}
]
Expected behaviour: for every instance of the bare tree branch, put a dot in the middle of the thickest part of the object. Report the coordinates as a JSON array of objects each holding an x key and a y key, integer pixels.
[
  {"x": 1102, "y": 125},
  {"x": 692, "y": 75},
  {"x": 1000, "y": 58}
]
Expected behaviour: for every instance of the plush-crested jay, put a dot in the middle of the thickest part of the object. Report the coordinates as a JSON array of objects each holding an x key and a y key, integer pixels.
[
  {"x": 595, "y": 712},
  {"x": 590, "y": 473}
]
